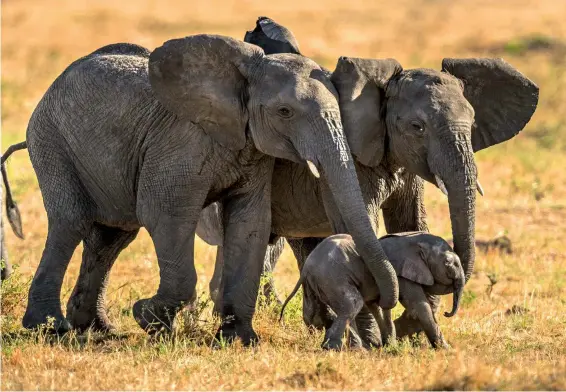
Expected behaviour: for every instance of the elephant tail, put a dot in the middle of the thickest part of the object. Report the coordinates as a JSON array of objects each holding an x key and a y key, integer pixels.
[
  {"x": 297, "y": 286},
  {"x": 12, "y": 210}
]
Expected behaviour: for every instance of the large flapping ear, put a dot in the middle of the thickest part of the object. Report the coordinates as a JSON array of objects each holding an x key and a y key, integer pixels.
[
  {"x": 361, "y": 85},
  {"x": 203, "y": 78},
  {"x": 272, "y": 37},
  {"x": 504, "y": 100}
]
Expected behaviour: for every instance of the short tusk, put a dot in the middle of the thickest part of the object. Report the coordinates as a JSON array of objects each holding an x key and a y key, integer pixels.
[
  {"x": 313, "y": 169},
  {"x": 441, "y": 185},
  {"x": 479, "y": 187}
]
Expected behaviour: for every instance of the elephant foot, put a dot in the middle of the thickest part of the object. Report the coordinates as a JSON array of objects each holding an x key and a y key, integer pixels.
[
  {"x": 154, "y": 318},
  {"x": 441, "y": 344},
  {"x": 332, "y": 344},
  {"x": 231, "y": 329},
  {"x": 82, "y": 321},
  {"x": 84, "y": 317},
  {"x": 53, "y": 321}
]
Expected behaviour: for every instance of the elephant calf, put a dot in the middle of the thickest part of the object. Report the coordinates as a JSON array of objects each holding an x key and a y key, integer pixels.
[{"x": 335, "y": 274}]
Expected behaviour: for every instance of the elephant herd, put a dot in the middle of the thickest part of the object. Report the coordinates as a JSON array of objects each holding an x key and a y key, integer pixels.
[{"x": 247, "y": 143}]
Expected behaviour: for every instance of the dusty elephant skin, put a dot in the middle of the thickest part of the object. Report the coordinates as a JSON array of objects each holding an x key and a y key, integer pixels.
[
  {"x": 336, "y": 277},
  {"x": 125, "y": 138},
  {"x": 402, "y": 125}
]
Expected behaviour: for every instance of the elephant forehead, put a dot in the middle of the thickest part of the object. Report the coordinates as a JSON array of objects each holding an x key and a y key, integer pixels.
[{"x": 281, "y": 64}]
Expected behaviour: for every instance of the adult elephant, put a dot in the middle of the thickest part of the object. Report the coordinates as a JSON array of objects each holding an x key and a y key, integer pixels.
[
  {"x": 402, "y": 126},
  {"x": 124, "y": 139}
]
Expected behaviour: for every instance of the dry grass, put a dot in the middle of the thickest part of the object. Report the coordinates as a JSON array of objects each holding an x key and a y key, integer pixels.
[{"x": 525, "y": 197}]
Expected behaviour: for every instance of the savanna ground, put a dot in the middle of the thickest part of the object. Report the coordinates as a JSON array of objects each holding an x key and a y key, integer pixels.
[{"x": 524, "y": 180}]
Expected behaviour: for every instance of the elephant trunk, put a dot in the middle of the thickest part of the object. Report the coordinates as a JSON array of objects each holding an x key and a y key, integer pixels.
[
  {"x": 459, "y": 283},
  {"x": 340, "y": 173},
  {"x": 459, "y": 178}
]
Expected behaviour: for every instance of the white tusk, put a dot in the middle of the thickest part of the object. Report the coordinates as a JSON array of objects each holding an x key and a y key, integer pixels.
[
  {"x": 313, "y": 169},
  {"x": 479, "y": 187},
  {"x": 441, "y": 185}
]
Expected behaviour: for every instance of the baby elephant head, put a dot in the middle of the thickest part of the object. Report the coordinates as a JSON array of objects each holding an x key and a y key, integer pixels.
[
  {"x": 428, "y": 260},
  {"x": 445, "y": 267}
]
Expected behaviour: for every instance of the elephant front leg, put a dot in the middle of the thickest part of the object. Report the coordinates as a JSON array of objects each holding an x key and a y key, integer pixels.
[
  {"x": 247, "y": 222},
  {"x": 174, "y": 238},
  {"x": 415, "y": 301}
]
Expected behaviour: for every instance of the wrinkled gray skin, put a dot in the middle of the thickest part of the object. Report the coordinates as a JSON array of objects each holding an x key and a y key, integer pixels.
[
  {"x": 336, "y": 276},
  {"x": 401, "y": 125},
  {"x": 125, "y": 139}
]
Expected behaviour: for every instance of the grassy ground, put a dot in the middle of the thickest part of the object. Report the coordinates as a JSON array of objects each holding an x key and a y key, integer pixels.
[{"x": 523, "y": 179}]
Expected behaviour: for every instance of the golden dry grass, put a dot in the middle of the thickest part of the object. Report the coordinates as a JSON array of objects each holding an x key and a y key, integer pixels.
[{"x": 525, "y": 197}]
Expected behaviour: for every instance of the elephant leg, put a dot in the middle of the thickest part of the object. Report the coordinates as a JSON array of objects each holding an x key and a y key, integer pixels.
[
  {"x": 354, "y": 340},
  {"x": 247, "y": 222},
  {"x": 174, "y": 239},
  {"x": 405, "y": 325},
  {"x": 87, "y": 306},
  {"x": 387, "y": 328},
  {"x": 269, "y": 263},
  {"x": 347, "y": 309},
  {"x": 368, "y": 328},
  {"x": 215, "y": 284},
  {"x": 314, "y": 312},
  {"x": 271, "y": 256},
  {"x": 44, "y": 299},
  {"x": 416, "y": 303}
]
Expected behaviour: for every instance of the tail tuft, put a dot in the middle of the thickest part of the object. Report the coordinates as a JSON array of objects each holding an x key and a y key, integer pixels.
[{"x": 15, "y": 220}]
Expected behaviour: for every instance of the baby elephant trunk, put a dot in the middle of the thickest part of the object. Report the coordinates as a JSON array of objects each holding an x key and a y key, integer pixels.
[{"x": 458, "y": 290}]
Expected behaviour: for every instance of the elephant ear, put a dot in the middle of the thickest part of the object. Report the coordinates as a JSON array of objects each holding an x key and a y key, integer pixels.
[
  {"x": 203, "y": 79},
  {"x": 408, "y": 257},
  {"x": 361, "y": 86},
  {"x": 504, "y": 100},
  {"x": 272, "y": 37}
]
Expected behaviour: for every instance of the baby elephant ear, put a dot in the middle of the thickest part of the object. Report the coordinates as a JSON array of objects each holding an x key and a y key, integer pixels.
[
  {"x": 504, "y": 100},
  {"x": 361, "y": 86},
  {"x": 203, "y": 78},
  {"x": 415, "y": 270},
  {"x": 408, "y": 259},
  {"x": 272, "y": 37}
]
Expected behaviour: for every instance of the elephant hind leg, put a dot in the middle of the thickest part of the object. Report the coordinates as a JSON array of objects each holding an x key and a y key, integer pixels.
[
  {"x": 69, "y": 219},
  {"x": 346, "y": 309},
  {"x": 87, "y": 307},
  {"x": 44, "y": 299}
]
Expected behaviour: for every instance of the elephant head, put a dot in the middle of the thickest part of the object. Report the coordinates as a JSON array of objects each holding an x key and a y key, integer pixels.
[
  {"x": 428, "y": 260},
  {"x": 286, "y": 105},
  {"x": 432, "y": 122}
]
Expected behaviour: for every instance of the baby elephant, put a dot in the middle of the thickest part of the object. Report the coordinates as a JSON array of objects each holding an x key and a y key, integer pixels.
[{"x": 335, "y": 274}]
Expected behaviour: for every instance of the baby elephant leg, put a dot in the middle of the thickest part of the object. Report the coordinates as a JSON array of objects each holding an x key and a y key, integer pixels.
[
  {"x": 346, "y": 309},
  {"x": 368, "y": 327},
  {"x": 354, "y": 341},
  {"x": 385, "y": 322},
  {"x": 415, "y": 301}
]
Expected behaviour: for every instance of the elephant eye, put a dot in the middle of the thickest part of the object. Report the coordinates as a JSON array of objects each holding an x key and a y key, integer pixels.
[
  {"x": 285, "y": 112},
  {"x": 417, "y": 126}
]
